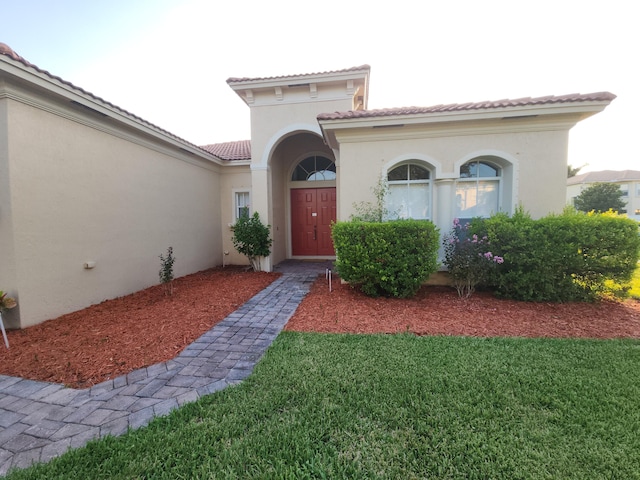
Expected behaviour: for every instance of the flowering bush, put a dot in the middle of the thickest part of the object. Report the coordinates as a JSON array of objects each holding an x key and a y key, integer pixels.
[{"x": 468, "y": 259}]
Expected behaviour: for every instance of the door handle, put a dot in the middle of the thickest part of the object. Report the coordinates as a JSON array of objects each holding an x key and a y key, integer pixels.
[{"x": 315, "y": 231}]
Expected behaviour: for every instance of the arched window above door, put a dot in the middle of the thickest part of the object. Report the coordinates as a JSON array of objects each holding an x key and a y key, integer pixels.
[{"x": 314, "y": 168}]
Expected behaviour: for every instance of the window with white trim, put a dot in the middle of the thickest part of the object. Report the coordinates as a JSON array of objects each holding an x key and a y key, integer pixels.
[
  {"x": 242, "y": 203},
  {"x": 478, "y": 189},
  {"x": 409, "y": 192}
]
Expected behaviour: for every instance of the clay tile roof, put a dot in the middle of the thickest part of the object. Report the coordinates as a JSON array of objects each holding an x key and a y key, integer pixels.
[
  {"x": 299, "y": 75},
  {"x": 456, "y": 107},
  {"x": 9, "y": 52},
  {"x": 240, "y": 150},
  {"x": 605, "y": 176}
]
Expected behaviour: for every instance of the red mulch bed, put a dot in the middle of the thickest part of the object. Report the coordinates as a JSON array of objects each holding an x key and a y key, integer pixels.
[
  {"x": 117, "y": 336},
  {"x": 439, "y": 311}
]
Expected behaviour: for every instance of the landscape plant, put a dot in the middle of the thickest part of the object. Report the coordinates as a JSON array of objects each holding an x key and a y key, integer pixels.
[
  {"x": 166, "y": 271},
  {"x": 600, "y": 197},
  {"x": 386, "y": 258},
  {"x": 252, "y": 238},
  {"x": 468, "y": 258},
  {"x": 377, "y": 210},
  {"x": 568, "y": 257}
]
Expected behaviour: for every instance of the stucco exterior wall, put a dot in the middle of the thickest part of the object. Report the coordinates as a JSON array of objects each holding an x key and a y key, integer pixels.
[
  {"x": 92, "y": 192},
  {"x": 233, "y": 179},
  {"x": 532, "y": 174}
]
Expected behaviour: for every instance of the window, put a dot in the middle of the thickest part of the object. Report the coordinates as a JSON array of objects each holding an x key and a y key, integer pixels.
[
  {"x": 478, "y": 189},
  {"x": 409, "y": 192},
  {"x": 313, "y": 169},
  {"x": 242, "y": 204},
  {"x": 625, "y": 190},
  {"x": 637, "y": 189}
]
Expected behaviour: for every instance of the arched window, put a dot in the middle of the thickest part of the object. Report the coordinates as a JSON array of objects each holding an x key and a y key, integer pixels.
[
  {"x": 313, "y": 169},
  {"x": 478, "y": 189},
  {"x": 409, "y": 191}
]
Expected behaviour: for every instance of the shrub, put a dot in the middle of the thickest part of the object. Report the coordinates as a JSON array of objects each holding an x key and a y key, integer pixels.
[
  {"x": 251, "y": 238},
  {"x": 166, "y": 271},
  {"x": 386, "y": 259},
  {"x": 568, "y": 257},
  {"x": 468, "y": 258}
]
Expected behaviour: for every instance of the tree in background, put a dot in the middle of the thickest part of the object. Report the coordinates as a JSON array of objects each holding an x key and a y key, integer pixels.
[
  {"x": 600, "y": 197},
  {"x": 573, "y": 171}
]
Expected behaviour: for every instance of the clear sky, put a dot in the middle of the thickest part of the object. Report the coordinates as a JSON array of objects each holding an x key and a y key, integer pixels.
[{"x": 168, "y": 61}]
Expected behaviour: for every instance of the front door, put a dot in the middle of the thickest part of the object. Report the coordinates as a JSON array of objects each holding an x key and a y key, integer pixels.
[{"x": 312, "y": 212}]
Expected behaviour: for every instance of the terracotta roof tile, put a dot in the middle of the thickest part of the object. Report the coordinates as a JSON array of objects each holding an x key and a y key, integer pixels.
[
  {"x": 299, "y": 75},
  {"x": 9, "y": 52},
  {"x": 605, "y": 176},
  {"x": 240, "y": 150},
  {"x": 456, "y": 107}
]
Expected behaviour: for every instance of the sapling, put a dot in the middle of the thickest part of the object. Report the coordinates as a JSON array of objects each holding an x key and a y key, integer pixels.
[{"x": 166, "y": 271}]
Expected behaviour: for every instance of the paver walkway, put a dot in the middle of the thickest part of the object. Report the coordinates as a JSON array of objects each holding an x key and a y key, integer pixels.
[{"x": 40, "y": 420}]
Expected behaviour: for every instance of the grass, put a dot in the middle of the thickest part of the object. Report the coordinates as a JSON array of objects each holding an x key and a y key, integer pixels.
[{"x": 396, "y": 407}]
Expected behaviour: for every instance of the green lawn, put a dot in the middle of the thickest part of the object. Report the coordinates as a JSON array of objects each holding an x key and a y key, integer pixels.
[{"x": 396, "y": 407}]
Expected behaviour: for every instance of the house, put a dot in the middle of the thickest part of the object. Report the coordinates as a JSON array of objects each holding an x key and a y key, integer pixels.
[
  {"x": 91, "y": 194},
  {"x": 628, "y": 180}
]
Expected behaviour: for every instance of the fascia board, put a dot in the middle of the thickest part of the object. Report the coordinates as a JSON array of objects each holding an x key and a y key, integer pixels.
[{"x": 577, "y": 111}]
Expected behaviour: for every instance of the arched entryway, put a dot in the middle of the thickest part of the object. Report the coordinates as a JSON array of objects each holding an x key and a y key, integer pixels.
[{"x": 313, "y": 206}]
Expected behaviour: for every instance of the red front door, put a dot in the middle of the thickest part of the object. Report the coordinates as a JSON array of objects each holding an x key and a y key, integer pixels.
[{"x": 312, "y": 211}]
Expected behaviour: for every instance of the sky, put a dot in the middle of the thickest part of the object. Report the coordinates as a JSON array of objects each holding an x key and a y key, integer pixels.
[{"x": 168, "y": 61}]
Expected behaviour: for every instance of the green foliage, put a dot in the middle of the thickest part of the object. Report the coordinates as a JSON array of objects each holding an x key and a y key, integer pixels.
[
  {"x": 634, "y": 292},
  {"x": 375, "y": 211},
  {"x": 251, "y": 238},
  {"x": 389, "y": 259},
  {"x": 166, "y": 271},
  {"x": 568, "y": 257},
  {"x": 468, "y": 258},
  {"x": 573, "y": 171},
  {"x": 600, "y": 197}
]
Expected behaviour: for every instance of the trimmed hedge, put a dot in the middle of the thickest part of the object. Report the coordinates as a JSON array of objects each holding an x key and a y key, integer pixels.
[
  {"x": 559, "y": 258},
  {"x": 386, "y": 259}
]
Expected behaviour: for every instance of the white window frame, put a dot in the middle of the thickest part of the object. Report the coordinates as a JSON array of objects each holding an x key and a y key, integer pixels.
[
  {"x": 477, "y": 179},
  {"x": 408, "y": 183},
  {"x": 238, "y": 204}
]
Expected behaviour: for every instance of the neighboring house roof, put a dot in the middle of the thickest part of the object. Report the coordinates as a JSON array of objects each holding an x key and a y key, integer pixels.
[
  {"x": 300, "y": 75},
  {"x": 457, "y": 107},
  {"x": 230, "y": 151},
  {"x": 7, "y": 51},
  {"x": 606, "y": 176}
]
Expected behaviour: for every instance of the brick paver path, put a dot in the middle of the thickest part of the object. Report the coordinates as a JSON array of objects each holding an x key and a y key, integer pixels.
[{"x": 40, "y": 420}]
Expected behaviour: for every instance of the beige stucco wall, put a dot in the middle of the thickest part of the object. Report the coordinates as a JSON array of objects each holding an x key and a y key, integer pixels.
[
  {"x": 233, "y": 178},
  {"x": 280, "y": 136},
  {"x": 87, "y": 191},
  {"x": 533, "y": 172}
]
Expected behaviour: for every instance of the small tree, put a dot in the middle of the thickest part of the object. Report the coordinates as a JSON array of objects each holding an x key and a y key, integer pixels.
[
  {"x": 600, "y": 197},
  {"x": 376, "y": 211},
  {"x": 166, "y": 271},
  {"x": 251, "y": 238}
]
